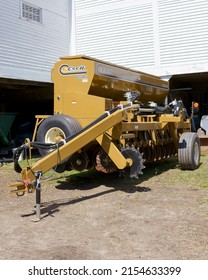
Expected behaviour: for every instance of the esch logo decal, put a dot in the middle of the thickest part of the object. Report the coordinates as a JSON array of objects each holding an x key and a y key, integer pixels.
[{"x": 72, "y": 70}]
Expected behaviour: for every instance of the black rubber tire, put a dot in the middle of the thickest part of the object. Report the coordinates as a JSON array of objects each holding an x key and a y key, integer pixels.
[
  {"x": 189, "y": 151},
  {"x": 66, "y": 124}
]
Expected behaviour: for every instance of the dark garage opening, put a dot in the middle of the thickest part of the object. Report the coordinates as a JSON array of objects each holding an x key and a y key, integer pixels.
[
  {"x": 20, "y": 101},
  {"x": 191, "y": 87}
]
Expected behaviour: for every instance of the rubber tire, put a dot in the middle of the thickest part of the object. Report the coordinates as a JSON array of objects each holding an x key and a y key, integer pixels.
[
  {"x": 189, "y": 151},
  {"x": 66, "y": 123}
]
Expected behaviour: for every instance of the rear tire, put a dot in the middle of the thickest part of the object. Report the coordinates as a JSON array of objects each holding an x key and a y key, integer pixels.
[{"x": 189, "y": 151}]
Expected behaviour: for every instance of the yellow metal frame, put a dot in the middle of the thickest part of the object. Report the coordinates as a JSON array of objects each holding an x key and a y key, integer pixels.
[
  {"x": 96, "y": 132},
  {"x": 39, "y": 120}
]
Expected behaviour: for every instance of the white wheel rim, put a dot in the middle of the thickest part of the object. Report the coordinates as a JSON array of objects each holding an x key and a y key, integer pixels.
[
  {"x": 53, "y": 133},
  {"x": 196, "y": 153}
]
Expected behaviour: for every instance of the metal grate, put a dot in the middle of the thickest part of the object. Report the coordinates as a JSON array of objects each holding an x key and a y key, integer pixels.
[{"x": 31, "y": 13}]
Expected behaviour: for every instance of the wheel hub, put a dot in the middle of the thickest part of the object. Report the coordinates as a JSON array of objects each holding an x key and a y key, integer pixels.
[{"x": 54, "y": 135}]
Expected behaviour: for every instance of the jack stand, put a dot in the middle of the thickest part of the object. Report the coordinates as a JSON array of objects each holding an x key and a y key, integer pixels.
[{"x": 38, "y": 195}]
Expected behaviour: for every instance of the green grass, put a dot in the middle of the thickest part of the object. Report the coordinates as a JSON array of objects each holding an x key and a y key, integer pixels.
[{"x": 167, "y": 171}]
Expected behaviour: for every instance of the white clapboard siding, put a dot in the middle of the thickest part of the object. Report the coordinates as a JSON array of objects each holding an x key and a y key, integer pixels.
[
  {"x": 183, "y": 28},
  {"x": 85, "y": 4},
  {"x": 159, "y": 36},
  {"x": 117, "y": 31},
  {"x": 28, "y": 49}
]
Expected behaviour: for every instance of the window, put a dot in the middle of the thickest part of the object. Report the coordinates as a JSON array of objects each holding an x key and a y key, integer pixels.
[{"x": 31, "y": 12}]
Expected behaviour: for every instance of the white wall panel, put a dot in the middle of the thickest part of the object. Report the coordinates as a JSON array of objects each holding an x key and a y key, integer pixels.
[
  {"x": 29, "y": 49},
  {"x": 183, "y": 31},
  {"x": 159, "y": 36},
  {"x": 92, "y": 4},
  {"x": 121, "y": 32}
]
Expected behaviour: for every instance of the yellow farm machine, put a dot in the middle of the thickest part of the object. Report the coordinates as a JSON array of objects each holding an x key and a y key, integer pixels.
[{"x": 110, "y": 118}]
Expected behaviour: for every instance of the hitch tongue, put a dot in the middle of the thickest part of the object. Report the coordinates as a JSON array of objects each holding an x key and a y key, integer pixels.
[{"x": 20, "y": 188}]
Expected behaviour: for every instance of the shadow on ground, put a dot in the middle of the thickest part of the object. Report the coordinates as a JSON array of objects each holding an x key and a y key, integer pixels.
[{"x": 92, "y": 179}]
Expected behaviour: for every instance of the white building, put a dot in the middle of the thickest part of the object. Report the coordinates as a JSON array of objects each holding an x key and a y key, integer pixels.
[
  {"x": 163, "y": 37},
  {"x": 168, "y": 38},
  {"x": 34, "y": 34}
]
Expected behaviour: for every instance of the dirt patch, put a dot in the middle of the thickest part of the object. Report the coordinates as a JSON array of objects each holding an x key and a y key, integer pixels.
[{"x": 163, "y": 215}]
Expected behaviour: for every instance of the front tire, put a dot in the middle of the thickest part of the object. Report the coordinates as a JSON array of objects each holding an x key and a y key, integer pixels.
[
  {"x": 55, "y": 128},
  {"x": 189, "y": 151}
]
